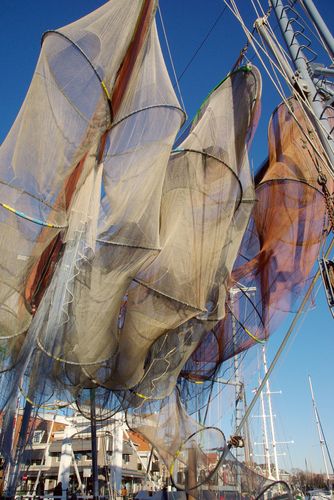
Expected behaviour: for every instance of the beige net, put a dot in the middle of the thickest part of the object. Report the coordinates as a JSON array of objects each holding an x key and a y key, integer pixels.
[
  {"x": 206, "y": 201},
  {"x": 191, "y": 452},
  {"x": 86, "y": 85}
]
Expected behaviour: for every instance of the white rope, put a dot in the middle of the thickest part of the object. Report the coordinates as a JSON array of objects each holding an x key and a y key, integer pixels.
[
  {"x": 321, "y": 154},
  {"x": 303, "y": 104},
  {"x": 171, "y": 59}
]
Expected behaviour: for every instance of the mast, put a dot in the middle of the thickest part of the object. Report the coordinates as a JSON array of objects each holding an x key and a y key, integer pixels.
[
  {"x": 24, "y": 430},
  {"x": 326, "y": 35},
  {"x": 320, "y": 432},
  {"x": 95, "y": 471},
  {"x": 265, "y": 436},
  {"x": 236, "y": 363},
  {"x": 303, "y": 79},
  {"x": 240, "y": 393},
  {"x": 271, "y": 420}
]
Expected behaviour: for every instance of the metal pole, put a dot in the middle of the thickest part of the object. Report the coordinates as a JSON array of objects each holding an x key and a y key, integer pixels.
[
  {"x": 248, "y": 446},
  {"x": 265, "y": 436},
  {"x": 95, "y": 471},
  {"x": 304, "y": 80},
  {"x": 271, "y": 419},
  {"x": 237, "y": 388},
  {"x": 321, "y": 437},
  {"x": 45, "y": 454},
  {"x": 283, "y": 344},
  {"x": 13, "y": 480},
  {"x": 325, "y": 34}
]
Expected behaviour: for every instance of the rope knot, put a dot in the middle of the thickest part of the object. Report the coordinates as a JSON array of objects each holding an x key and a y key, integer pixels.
[{"x": 322, "y": 179}]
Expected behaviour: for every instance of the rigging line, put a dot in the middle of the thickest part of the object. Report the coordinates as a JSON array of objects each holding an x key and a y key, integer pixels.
[
  {"x": 297, "y": 96},
  {"x": 272, "y": 66},
  {"x": 325, "y": 440},
  {"x": 322, "y": 155},
  {"x": 283, "y": 345},
  {"x": 203, "y": 42},
  {"x": 250, "y": 36},
  {"x": 252, "y": 40},
  {"x": 171, "y": 59},
  {"x": 254, "y": 7},
  {"x": 242, "y": 356}
]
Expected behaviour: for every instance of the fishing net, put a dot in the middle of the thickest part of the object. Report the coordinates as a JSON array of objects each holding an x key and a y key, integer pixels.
[
  {"x": 124, "y": 250},
  {"x": 284, "y": 238},
  {"x": 206, "y": 201},
  {"x": 119, "y": 310},
  {"x": 65, "y": 111},
  {"x": 279, "y": 248},
  {"x": 190, "y": 451},
  {"x": 85, "y": 288}
]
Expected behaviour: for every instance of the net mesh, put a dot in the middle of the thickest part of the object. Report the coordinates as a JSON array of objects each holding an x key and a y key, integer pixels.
[
  {"x": 129, "y": 268},
  {"x": 279, "y": 248}
]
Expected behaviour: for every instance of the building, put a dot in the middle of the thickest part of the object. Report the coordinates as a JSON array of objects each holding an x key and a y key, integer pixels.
[{"x": 60, "y": 447}]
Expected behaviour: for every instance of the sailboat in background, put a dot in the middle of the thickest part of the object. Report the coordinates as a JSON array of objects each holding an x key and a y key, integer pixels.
[{"x": 121, "y": 245}]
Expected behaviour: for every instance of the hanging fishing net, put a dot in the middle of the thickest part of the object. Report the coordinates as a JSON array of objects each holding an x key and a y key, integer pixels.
[
  {"x": 108, "y": 237},
  {"x": 65, "y": 111},
  {"x": 129, "y": 269},
  {"x": 206, "y": 201},
  {"x": 279, "y": 248},
  {"x": 190, "y": 451}
]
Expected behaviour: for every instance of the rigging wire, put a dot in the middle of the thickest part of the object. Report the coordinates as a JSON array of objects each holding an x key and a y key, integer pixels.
[
  {"x": 202, "y": 43},
  {"x": 282, "y": 345},
  {"x": 321, "y": 154},
  {"x": 185, "y": 69},
  {"x": 314, "y": 30},
  {"x": 177, "y": 80}
]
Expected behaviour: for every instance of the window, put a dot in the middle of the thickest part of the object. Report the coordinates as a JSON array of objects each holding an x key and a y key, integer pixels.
[
  {"x": 126, "y": 458},
  {"x": 37, "y": 437},
  {"x": 139, "y": 466},
  {"x": 56, "y": 455}
]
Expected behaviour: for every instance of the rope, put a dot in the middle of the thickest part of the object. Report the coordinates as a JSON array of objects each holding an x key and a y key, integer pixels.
[
  {"x": 322, "y": 181},
  {"x": 256, "y": 339},
  {"x": 31, "y": 219},
  {"x": 322, "y": 155},
  {"x": 171, "y": 59},
  {"x": 202, "y": 43}
]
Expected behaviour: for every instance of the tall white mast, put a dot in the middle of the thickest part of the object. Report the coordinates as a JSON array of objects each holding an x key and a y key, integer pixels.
[
  {"x": 271, "y": 417},
  {"x": 320, "y": 433},
  {"x": 265, "y": 436}
]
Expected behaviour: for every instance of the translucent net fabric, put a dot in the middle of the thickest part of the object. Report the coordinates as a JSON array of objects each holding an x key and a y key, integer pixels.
[
  {"x": 74, "y": 63},
  {"x": 197, "y": 457},
  {"x": 279, "y": 248},
  {"x": 234, "y": 479},
  {"x": 64, "y": 112},
  {"x": 206, "y": 201},
  {"x": 190, "y": 451}
]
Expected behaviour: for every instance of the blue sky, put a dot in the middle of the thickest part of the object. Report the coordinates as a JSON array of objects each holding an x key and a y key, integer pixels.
[{"x": 187, "y": 23}]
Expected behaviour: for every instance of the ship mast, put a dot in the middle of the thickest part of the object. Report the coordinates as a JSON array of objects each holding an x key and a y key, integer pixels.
[
  {"x": 322, "y": 440},
  {"x": 303, "y": 76}
]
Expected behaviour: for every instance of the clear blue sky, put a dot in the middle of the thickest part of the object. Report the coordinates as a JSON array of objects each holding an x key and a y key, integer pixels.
[{"x": 187, "y": 23}]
